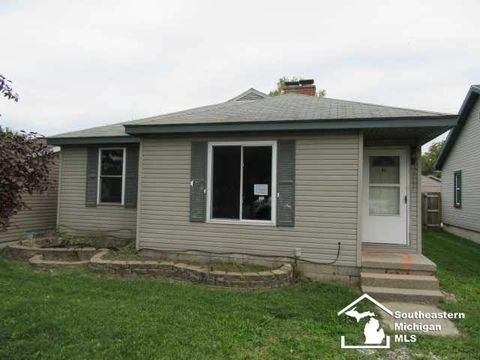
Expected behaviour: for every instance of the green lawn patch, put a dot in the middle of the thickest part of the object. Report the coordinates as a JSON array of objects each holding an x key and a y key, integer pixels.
[
  {"x": 79, "y": 315},
  {"x": 458, "y": 269}
]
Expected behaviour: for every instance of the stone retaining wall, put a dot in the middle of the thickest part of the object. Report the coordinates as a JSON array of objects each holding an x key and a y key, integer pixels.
[
  {"x": 40, "y": 263},
  {"x": 282, "y": 276},
  {"x": 24, "y": 250}
]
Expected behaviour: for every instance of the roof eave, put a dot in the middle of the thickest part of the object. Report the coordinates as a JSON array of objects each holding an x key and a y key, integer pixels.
[
  {"x": 467, "y": 105},
  {"x": 92, "y": 140},
  {"x": 345, "y": 124}
]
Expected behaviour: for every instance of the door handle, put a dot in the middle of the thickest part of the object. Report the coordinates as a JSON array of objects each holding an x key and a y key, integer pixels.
[{"x": 405, "y": 199}]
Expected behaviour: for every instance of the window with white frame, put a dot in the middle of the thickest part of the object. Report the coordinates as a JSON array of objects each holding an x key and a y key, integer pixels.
[
  {"x": 242, "y": 182},
  {"x": 111, "y": 175}
]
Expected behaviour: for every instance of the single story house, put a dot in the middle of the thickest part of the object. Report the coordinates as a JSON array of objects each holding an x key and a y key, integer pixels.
[
  {"x": 459, "y": 162},
  {"x": 295, "y": 174}
]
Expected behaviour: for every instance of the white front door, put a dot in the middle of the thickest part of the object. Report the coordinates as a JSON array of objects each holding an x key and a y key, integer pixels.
[{"x": 385, "y": 196}]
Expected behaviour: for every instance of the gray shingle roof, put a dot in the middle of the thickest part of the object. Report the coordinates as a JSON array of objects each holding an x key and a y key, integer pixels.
[
  {"x": 255, "y": 106},
  {"x": 288, "y": 107},
  {"x": 99, "y": 131}
]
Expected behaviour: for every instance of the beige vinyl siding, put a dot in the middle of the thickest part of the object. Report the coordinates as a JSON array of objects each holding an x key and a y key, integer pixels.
[
  {"x": 464, "y": 156},
  {"x": 74, "y": 216},
  {"x": 42, "y": 212},
  {"x": 325, "y": 202}
]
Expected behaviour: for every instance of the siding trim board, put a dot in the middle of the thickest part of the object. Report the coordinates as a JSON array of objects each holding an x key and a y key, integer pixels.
[
  {"x": 360, "y": 198},
  {"x": 139, "y": 197}
]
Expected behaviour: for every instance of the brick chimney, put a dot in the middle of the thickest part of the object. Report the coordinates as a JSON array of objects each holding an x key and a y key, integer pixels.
[{"x": 303, "y": 87}]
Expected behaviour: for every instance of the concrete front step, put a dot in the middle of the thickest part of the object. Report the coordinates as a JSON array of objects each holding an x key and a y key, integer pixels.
[
  {"x": 398, "y": 271},
  {"x": 398, "y": 264},
  {"x": 403, "y": 295},
  {"x": 401, "y": 281}
]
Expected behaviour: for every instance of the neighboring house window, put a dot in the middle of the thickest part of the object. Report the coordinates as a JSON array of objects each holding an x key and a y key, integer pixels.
[
  {"x": 242, "y": 182},
  {"x": 457, "y": 189},
  {"x": 111, "y": 176}
]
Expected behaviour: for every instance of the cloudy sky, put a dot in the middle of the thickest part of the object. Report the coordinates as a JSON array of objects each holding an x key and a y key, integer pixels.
[{"x": 89, "y": 63}]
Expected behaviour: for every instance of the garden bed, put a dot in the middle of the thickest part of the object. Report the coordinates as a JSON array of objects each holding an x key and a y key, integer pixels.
[
  {"x": 50, "y": 248},
  {"x": 44, "y": 262},
  {"x": 56, "y": 254}
]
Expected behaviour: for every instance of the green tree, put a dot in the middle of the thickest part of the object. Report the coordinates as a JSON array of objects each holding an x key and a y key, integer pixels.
[
  {"x": 281, "y": 85},
  {"x": 24, "y": 166},
  {"x": 429, "y": 158}
]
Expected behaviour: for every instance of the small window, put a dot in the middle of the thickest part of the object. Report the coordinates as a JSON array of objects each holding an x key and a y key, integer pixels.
[
  {"x": 242, "y": 182},
  {"x": 111, "y": 176},
  {"x": 457, "y": 189}
]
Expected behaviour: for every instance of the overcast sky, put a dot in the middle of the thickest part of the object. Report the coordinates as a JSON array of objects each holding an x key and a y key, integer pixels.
[{"x": 83, "y": 64}]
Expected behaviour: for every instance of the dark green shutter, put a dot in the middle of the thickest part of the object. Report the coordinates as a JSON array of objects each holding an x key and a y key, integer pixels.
[
  {"x": 457, "y": 183},
  {"x": 286, "y": 183},
  {"x": 92, "y": 177},
  {"x": 131, "y": 177},
  {"x": 198, "y": 181},
  {"x": 460, "y": 186}
]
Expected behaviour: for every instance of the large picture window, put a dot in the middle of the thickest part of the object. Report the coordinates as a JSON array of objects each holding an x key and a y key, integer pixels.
[
  {"x": 111, "y": 169},
  {"x": 242, "y": 182}
]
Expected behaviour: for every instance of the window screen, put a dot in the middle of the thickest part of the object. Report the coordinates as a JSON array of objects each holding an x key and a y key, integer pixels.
[{"x": 384, "y": 185}]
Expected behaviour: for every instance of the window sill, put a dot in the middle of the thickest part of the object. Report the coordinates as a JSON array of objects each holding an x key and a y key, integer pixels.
[
  {"x": 241, "y": 222},
  {"x": 110, "y": 204}
]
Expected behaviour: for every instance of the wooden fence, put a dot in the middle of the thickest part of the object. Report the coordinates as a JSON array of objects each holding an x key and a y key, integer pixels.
[{"x": 431, "y": 209}]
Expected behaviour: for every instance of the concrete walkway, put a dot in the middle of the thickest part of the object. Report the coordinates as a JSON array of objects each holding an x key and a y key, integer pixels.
[{"x": 448, "y": 328}]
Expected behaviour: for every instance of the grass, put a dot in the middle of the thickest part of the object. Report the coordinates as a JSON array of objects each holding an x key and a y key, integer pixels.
[
  {"x": 76, "y": 315},
  {"x": 458, "y": 269}
]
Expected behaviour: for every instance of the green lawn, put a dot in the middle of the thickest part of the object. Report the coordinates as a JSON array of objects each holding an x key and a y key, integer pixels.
[{"x": 81, "y": 315}]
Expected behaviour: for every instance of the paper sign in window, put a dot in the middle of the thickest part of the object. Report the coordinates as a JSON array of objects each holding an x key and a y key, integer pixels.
[{"x": 260, "y": 189}]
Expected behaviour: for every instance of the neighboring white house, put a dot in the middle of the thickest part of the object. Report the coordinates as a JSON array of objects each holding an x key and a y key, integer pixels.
[{"x": 460, "y": 165}]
